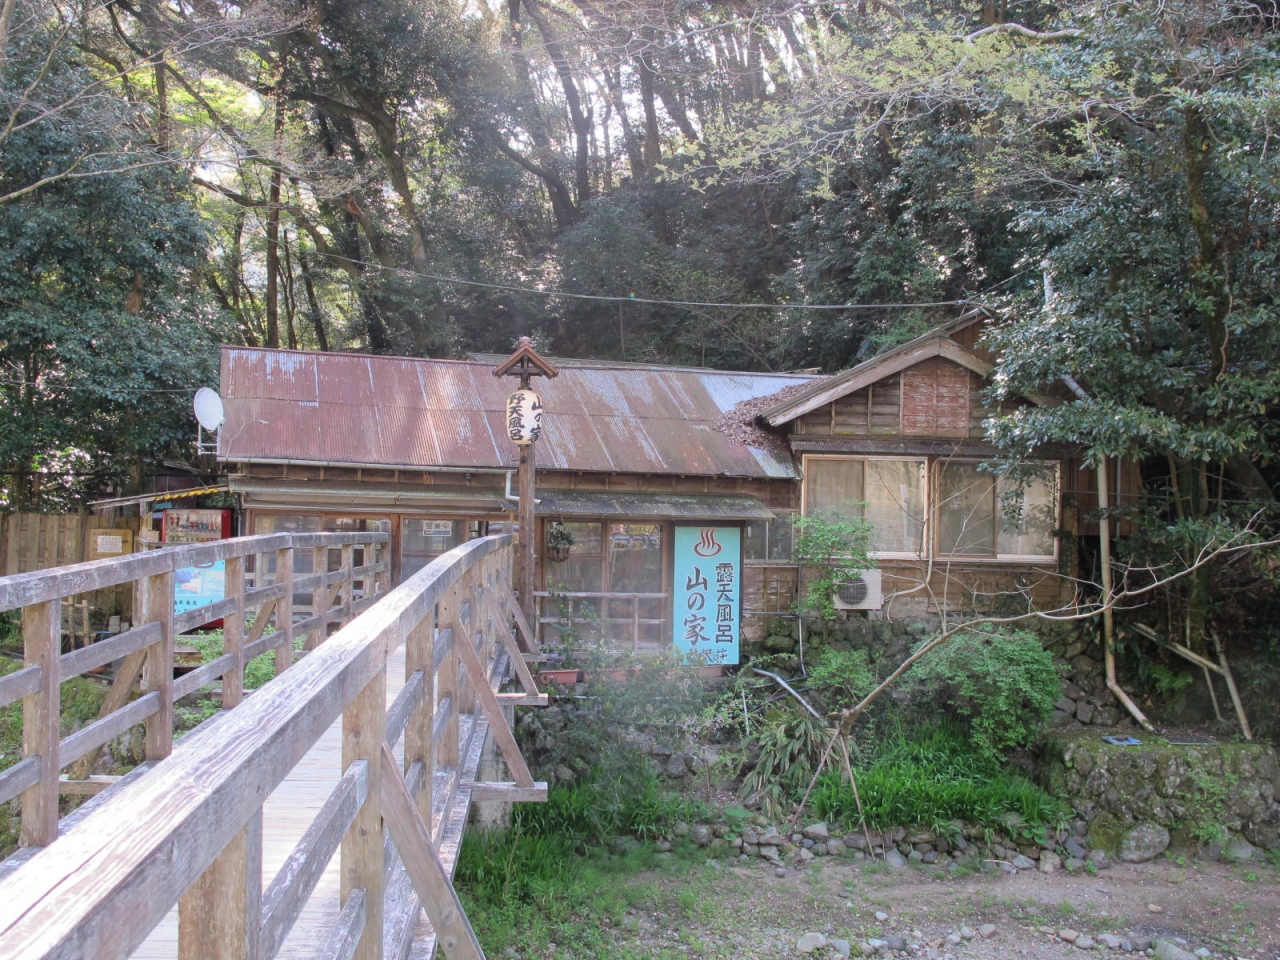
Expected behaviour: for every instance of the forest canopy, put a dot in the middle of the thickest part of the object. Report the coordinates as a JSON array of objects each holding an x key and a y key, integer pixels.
[{"x": 689, "y": 183}]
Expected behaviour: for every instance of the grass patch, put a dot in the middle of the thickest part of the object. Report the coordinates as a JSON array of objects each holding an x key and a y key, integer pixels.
[
  {"x": 931, "y": 779},
  {"x": 257, "y": 671},
  {"x": 554, "y": 874}
]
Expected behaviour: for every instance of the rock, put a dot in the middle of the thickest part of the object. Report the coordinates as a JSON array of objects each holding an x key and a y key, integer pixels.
[
  {"x": 835, "y": 847},
  {"x": 1074, "y": 864},
  {"x": 1049, "y": 862},
  {"x": 1238, "y": 850},
  {"x": 1106, "y": 717},
  {"x": 749, "y": 834},
  {"x": 953, "y": 938},
  {"x": 930, "y": 857},
  {"x": 877, "y": 945},
  {"x": 1141, "y": 944},
  {"x": 1166, "y": 950},
  {"x": 1099, "y": 859},
  {"x": 750, "y": 850},
  {"x": 804, "y": 856},
  {"x": 807, "y": 843},
  {"x": 681, "y": 828},
  {"x": 1085, "y": 943},
  {"x": 987, "y": 931},
  {"x": 1066, "y": 705},
  {"x": 663, "y": 846},
  {"x": 768, "y": 851},
  {"x": 563, "y": 774},
  {"x": 842, "y": 947},
  {"x": 675, "y": 767},
  {"x": 1154, "y": 908},
  {"x": 817, "y": 832},
  {"x": 894, "y": 859},
  {"x": 881, "y": 916},
  {"x": 1143, "y": 842},
  {"x": 1084, "y": 711},
  {"x": 1067, "y": 935},
  {"x": 820, "y": 850},
  {"x": 797, "y": 838},
  {"x": 1023, "y": 863},
  {"x": 1203, "y": 952},
  {"x": 780, "y": 871},
  {"x": 895, "y": 942},
  {"x": 1074, "y": 847},
  {"x": 1109, "y": 940},
  {"x": 700, "y": 834},
  {"x": 915, "y": 856},
  {"x": 855, "y": 841},
  {"x": 967, "y": 932},
  {"x": 811, "y": 942}
]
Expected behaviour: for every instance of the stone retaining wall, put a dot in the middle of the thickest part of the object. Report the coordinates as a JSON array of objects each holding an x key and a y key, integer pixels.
[{"x": 1212, "y": 800}]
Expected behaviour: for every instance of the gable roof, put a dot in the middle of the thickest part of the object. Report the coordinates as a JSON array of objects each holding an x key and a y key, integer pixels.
[
  {"x": 409, "y": 413},
  {"x": 935, "y": 343}
]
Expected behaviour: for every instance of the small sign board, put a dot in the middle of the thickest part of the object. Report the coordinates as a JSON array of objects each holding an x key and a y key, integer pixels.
[
  {"x": 707, "y": 592},
  {"x": 109, "y": 543}
]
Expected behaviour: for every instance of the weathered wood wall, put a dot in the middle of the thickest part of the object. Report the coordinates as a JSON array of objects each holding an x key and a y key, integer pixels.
[{"x": 38, "y": 541}]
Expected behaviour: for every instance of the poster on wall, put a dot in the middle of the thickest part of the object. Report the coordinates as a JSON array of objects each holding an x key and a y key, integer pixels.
[
  {"x": 203, "y": 584},
  {"x": 707, "y": 592}
]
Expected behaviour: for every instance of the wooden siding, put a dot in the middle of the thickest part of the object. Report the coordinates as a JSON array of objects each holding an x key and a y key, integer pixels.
[{"x": 936, "y": 397}]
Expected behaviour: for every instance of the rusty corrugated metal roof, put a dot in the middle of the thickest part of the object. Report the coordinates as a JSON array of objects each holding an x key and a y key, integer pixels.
[{"x": 406, "y": 412}]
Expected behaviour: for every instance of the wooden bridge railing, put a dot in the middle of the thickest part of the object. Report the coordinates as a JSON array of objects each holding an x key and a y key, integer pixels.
[
  {"x": 189, "y": 830},
  {"x": 147, "y": 649}
]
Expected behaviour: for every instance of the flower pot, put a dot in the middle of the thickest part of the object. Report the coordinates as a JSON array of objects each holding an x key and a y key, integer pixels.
[{"x": 558, "y": 554}]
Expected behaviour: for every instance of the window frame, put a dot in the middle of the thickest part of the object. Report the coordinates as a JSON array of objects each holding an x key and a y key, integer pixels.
[
  {"x": 926, "y": 491},
  {"x": 936, "y": 552}
]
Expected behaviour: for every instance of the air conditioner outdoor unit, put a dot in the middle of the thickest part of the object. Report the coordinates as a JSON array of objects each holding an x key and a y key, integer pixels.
[{"x": 862, "y": 593}]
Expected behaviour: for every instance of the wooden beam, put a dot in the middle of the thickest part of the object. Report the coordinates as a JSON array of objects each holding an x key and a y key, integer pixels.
[
  {"x": 509, "y": 792},
  {"x": 218, "y": 916},
  {"x": 523, "y": 699},
  {"x": 363, "y": 731},
  {"x": 42, "y": 647},
  {"x": 479, "y": 677},
  {"x": 90, "y": 787},
  {"x": 430, "y": 879}
]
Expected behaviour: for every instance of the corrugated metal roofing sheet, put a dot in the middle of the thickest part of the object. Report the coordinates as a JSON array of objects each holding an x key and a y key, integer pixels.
[{"x": 405, "y": 412}]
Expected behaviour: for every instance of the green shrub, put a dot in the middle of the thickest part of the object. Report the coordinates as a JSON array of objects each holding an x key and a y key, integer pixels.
[
  {"x": 258, "y": 671},
  {"x": 840, "y": 678},
  {"x": 932, "y": 779},
  {"x": 1003, "y": 681},
  {"x": 782, "y": 753},
  {"x": 834, "y": 548}
]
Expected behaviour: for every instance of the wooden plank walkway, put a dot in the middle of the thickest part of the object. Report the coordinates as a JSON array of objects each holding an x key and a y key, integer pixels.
[{"x": 285, "y": 816}]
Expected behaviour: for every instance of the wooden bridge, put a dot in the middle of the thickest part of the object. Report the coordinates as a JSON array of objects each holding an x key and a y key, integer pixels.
[{"x": 319, "y": 816}]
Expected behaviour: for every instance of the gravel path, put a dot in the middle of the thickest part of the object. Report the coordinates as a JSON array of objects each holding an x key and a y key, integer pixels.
[{"x": 749, "y": 910}]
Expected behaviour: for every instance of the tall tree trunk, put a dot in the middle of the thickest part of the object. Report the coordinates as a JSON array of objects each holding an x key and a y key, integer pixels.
[
  {"x": 273, "y": 234},
  {"x": 313, "y": 304}
]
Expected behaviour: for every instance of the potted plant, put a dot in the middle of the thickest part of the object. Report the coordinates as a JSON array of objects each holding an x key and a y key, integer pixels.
[{"x": 559, "y": 540}]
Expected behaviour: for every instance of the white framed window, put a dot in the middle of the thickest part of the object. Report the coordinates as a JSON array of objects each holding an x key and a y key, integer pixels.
[
  {"x": 770, "y": 541},
  {"x": 981, "y": 516},
  {"x": 892, "y": 492}
]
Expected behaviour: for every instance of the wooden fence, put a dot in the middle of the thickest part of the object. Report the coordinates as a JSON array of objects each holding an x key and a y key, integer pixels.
[
  {"x": 189, "y": 830},
  {"x": 146, "y": 649}
]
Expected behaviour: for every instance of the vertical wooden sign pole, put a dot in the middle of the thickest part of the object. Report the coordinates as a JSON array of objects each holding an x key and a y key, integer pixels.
[{"x": 528, "y": 540}]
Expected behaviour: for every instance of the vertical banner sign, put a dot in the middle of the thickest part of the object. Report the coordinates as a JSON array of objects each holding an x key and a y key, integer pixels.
[{"x": 707, "y": 592}]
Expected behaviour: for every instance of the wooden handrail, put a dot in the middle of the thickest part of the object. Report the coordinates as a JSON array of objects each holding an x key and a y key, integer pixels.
[
  {"x": 190, "y": 830},
  {"x": 147, "y": 650}
]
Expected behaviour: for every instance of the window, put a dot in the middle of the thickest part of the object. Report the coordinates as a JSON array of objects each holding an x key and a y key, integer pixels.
[
  {"x": 891, "y": 494},
  {"x": 769, "y": 540},
  {"x": 981, "y": 515}
]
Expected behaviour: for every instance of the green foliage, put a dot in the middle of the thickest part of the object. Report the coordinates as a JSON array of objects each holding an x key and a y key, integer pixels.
[
  {"x": 1003, "y": 681},
  {"x": 100, "y": 311},
  {"x": 932, "y": 779},
  {"x": 841, "y": 678},
  {"x": 258, "y": 671},
  {"x": 782, "y": 753},
  {"x": 834, "y": 547}
]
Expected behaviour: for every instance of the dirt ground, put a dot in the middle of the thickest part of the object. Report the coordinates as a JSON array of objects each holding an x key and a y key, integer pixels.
[{"x": 744, "y": 910}]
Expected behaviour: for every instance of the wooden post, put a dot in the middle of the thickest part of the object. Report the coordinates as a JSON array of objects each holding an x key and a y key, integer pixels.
[
  {"x": 447, "y": 679},
  {"x": 319, "y": 597},
  {"x": 233, "y": 635},
  {"x": 284, "y": 610},
  {"x": 363, "y": 730},
  {"x": 42, "y": 646},
  {"x": 154, "y": 596},
  {"x": 219, "y": 915},
  {"x": 528, "y": 532},
  {"x": 419, "y": 654},
  {"x": 349, "y": 585}
]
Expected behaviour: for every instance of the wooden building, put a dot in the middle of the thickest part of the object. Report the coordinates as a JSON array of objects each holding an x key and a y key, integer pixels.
[{"x": 631, "y": 453}]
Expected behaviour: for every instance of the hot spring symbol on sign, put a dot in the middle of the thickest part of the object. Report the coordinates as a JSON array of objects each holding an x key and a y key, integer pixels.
[{"x": 706, "y": 592}]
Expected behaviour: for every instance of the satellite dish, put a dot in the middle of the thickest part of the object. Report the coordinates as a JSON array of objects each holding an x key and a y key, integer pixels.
[{"x": 209, "y": 410}]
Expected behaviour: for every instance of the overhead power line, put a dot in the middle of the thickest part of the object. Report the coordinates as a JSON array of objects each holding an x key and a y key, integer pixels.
[{"x": 632, "y": 298}]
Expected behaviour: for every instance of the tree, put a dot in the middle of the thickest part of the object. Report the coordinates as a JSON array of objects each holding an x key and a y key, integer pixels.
[{"x": 101, "y": 337}]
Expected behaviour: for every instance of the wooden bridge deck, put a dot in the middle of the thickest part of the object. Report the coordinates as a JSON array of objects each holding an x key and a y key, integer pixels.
[{"x": 285, "y": 816}]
